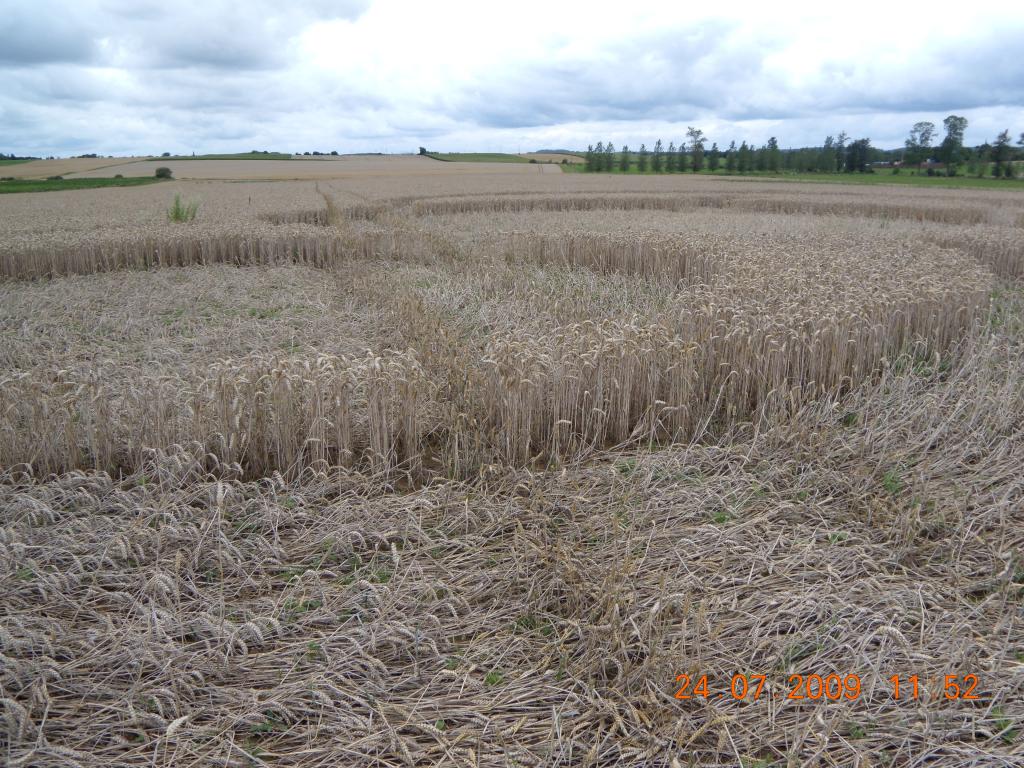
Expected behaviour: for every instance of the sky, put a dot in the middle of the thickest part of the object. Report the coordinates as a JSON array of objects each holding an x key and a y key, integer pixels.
[{"x": 124, "y": 77}]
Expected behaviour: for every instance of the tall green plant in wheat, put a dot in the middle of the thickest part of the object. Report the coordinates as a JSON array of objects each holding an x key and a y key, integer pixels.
[{"x": 182, "y": 212}]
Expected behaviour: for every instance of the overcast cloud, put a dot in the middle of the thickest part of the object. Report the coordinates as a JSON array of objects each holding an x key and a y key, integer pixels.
[{"x": 147, "y": 76}]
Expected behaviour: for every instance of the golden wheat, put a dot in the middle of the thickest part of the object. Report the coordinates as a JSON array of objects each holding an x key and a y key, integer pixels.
[
  {"x": 734, "y": 329},
  {"x": 951, "y": 214}
]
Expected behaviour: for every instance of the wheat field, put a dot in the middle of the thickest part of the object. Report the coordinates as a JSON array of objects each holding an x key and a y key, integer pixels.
[{"x": 400, "y": 467}]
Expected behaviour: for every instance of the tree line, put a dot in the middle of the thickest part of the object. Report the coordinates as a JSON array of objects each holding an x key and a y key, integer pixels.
[{"x": 837, "y": 154}]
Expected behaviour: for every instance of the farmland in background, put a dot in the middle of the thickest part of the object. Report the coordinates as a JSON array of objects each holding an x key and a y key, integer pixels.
[
  {"x": 554, "y": 157},
  {"x": 235, "y": 156},
  {"x": 882, "y": 177},
  {"x": 503, "y": 157},
  {"x": 14, "y": 186},
  {"x": 410, "y": 462},
  {"x": 476, "y": 157}
]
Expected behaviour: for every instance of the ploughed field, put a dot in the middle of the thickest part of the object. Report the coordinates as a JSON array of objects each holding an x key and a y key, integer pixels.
[{"x": 422, "y": 467}]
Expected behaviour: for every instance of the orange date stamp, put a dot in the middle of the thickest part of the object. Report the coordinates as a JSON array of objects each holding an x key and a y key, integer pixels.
[{"x": 799, "y": 687}]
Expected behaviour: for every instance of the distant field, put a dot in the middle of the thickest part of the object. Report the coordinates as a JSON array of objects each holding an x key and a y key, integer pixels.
[
  {"x": 58, "y": 185},
  {"x": 41, "y": 169},
  {"x": 477, "y": 157},
  {"x": 881, "y": 177},
  {"x": 13, "y": 162},
  {"x": 553, "y": 157},
  {"x": 350, "y": 166},
  {"x": 237, "y": 156},
  {"x": 885, "y": 177}
]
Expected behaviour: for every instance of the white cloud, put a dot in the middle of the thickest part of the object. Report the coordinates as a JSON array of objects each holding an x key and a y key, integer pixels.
[{"x": 116, "y": 76}]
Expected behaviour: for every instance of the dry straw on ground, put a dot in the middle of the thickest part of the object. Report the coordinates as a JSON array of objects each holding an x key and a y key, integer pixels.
[{"x": 540, "y": 618}]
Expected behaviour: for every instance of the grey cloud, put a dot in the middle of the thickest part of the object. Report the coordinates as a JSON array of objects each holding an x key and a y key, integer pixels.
[
  {"x": 40, "y": 32},
  {"x": 218, "y": 34},
  {"x": 675, "y": 76}
]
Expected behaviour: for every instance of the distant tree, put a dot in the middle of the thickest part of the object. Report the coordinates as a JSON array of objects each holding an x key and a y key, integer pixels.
[
  {"x": 840, "y": 151},
  {"x": 714, "y": 157},
  {"x": 980, "y": 160},
  {"x": 163, "y": 173},
  {"x": 803, "y": 160},
  {"x": 670, "y": 158},
  {"x": 696, "y": 141},
  {"x": 423, "y": 150},
  {"x": 774, "y": 155},
  {"x": 730, "y": 157},
  {"x": 743, "y": 158},
  {"x": 657, "y": 158},
  {"x": 858, "y": 156},
  {"x": 588, "y": 162},
  {"x": 761, "y": 158},
  {"x": 952, "y": 148},
  {"x": 641, "y": 159},
  {"x": 827, "y": 157},
  {"x": 1001, "y": 153},
  {"x": 334, "y": 152},
  {"x": 861, "y": 155},
  {"x": 166, "y": 154},
  {"x": 624, "y": 160},
  {"x": 599, "y": 156},
  {"x": 790, "y": 160},
  {"x": 919, "y": 144},
  {"x": 609, "y": 157}
]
